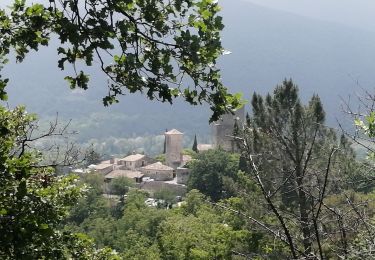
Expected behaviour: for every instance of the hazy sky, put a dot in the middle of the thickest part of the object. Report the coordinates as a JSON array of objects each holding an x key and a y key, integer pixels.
[{"x": 357, "y": 13}]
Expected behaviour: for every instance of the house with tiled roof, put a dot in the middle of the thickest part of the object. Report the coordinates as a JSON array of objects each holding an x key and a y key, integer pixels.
[
  {"x": 158, "y": 171},
  {"x": 103, "y": 168},
  {"x": 133, "y": 161},
  {"x": 136, "y": 176}
]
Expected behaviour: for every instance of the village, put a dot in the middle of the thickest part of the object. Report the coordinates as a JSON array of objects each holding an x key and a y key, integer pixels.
[{"x": 172, "y": 174}]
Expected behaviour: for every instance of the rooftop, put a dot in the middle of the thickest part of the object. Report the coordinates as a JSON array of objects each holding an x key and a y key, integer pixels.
[
  {"x": 157, "y": 166},
  {"x": 102, "y": 166},
  {"x": 185, "y": 159},
  {"x": 204, "y": 147},
  {"x": 114, "y": 161},
  {"x": 133, "y": 157},
  {"x": 173, "y": 132},
  {"x": 123, "y": 173}
]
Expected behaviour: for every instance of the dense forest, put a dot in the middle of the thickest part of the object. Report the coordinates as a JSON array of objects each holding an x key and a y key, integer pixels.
[{"x": 292, "y": 187}]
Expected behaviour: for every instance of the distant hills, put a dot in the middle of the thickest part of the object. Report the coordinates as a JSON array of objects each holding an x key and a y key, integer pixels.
[
  {"x": 359, "y": 14},
  {"x": 267, "y": 46},
  {"x": 322, "y": 57}
]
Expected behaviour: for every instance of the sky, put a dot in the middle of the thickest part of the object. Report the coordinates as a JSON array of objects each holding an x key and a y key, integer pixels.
[{"x": 355, "y": 13}]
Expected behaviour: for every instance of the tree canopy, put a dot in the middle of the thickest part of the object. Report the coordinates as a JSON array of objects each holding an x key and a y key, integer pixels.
[
  {"x": 33, "y": 200},
  {"x": 210, "y": 172},
  {"x": 294, "y": 158},
  {"x": 195, "y": 144},
  {"x": 163, "y": 49}
]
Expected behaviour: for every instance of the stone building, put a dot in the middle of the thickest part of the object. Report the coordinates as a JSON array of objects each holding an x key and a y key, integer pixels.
[
  {"x": 103, "y": 168},
  {"x": 135, "y": 176},
  {"x": 223, "y": 130},
  {"x": 133, "y": 161},
  {"x": 173, "y": 148},
  {"x": 182, "y": 175},
  {"x": 158, "y": 171}
]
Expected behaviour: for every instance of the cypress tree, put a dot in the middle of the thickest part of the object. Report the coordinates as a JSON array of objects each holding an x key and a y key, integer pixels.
[
  {"x": 195, "y": 144},
  {"x": 248, "y": 120},
  {"x": 165, "y": 143}
]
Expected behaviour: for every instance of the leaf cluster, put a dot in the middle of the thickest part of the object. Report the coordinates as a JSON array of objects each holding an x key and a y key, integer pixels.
[{"x": 164, "y": 49}]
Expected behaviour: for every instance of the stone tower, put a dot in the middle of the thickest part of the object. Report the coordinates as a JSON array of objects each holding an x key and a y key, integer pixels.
[
  {"x": 173, "y": 151},
  {"x": 223, "y": 130}
]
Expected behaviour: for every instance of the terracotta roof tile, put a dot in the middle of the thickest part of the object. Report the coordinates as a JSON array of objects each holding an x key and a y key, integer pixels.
[
  {"x": 123, "y": 173},
  {"x": 133, "y": 157},
  {"x": 157, "y": 166}
]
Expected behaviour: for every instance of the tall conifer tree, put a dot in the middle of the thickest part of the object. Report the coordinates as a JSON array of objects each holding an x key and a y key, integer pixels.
[
  {"x": 195, "y": 144},
  {"x": 165, "y": 143},
  {"x": 288, "y": 147}
]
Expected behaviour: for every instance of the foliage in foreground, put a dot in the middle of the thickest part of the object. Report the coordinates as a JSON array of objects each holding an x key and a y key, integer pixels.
[
  {"x": 33, "y": 200},
  {"x": 165, "y": 49}
]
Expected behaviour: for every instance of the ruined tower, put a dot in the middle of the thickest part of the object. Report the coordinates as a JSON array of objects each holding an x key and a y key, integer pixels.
[
  {"x": 223, "y": 130},
  {"x": 173, "y": 149}
]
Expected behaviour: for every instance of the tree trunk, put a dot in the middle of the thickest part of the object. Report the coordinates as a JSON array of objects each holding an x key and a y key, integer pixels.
[{"x": 303, "y": 210}]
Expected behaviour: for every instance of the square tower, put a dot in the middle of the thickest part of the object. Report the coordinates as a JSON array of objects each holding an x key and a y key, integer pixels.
[
  {"x": 173, "y": 149},
  {"x": 224, "y": 127}
]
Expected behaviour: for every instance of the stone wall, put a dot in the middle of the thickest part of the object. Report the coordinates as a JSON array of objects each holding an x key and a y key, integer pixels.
[{"x": 182, "y": 175}]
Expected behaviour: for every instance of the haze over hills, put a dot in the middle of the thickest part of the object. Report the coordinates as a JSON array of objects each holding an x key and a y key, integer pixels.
[
  {"x": 267, "y": 46},
  {"x": 351, "y": 13},
  {"x": 322, "y": 57}
]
